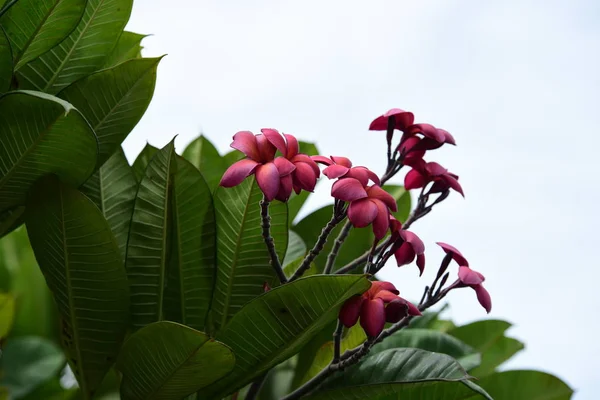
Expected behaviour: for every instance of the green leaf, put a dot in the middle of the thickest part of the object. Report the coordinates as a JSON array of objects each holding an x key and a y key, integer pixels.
[
  {"x": 27, "y": 362},
  {"x": 426, "y": 340},
  {"x": 112, "y": 188},
  {"x": 36, "y": 26},
  {"x": 487, "y": 337},
  {"x": 530, "y": 385},
  {"x": 7, "y": 313},
  {"x": 114, "y": 100},
  {"x": 51, "y": 390},
  {"x": 243, "y": 261},
  {"x": 142, "y": 160},
  {"x": 11, "y": 219},
  {"x": 39, "y": 135},
  {"x": 296, "y": 202},
  {"x": 232, "y": 156},
  {"x": 403, "y": 201},
  {"x": 6, "y": 63},
  {"x": 296, "y": 248},
  {"x": 275, "y": 325},
  {"x": 204, "y": 155},
  {"x": 147, "y": 246},
  {"x": 191, "y": 268},
  {"x": 128, "y": 48},
  {"x": 402, "y": 374},
  {"x": 165, "y": 361},
  {"x": 428, "y": 319},
  {"x": 81, "y": 262},
  {"x": 83, "y": 52}
]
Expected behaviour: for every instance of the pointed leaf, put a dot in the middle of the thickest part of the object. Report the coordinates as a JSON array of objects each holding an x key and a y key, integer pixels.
[
  {"x": 295, "y": 249},
  {"x": 7, "y": 313},
  {"x": 531, "y": 385},
  {"x": 27, "y": 363},
  {"x": 192, "y": 264},
  {"x": 80, "y": 259},
  {"x": 403, "y": 201},
  {"x": 83, "y": 52},
  {"x": 147, "y": 246},
  {"x": 112, "y": 188},
  {"x": 494, "y": 356},
  {"x": 11, "y": 219},
  {"x": 203, "y": 154},
  {"x": 402, "y": 374},
  {"x": 128, "y": 47},
  {"x": 142, "y": 160},
  {"x": 41, "y": 134},
  {"x": 6, "y": 63},
  {"x": 275, "y": 326},
  {"x": 165, "y": 361},
  {"x": 232, "y": 157},
  {"x": 114, "y": 100},
  {"x": 36, "y": 26},
  {"x": 243, "y": 261},
  {"x": 296, "y": 202}
]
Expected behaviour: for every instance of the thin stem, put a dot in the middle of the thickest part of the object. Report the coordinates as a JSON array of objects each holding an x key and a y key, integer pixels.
[
  {"x": 314, "y": 252},
  {"x": 7, "y": 6},
  {"x": 360, "y": 260},
  {"x": 337, "y": 342},
  {"x": 336, "y": 247},
  {"x": 266, "y": 232},
  {"x": 255, "y": 388}
]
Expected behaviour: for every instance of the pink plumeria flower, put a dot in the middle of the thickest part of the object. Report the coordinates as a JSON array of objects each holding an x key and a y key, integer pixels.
[
  {"x": 423, "y": 173},
  {"x": 432, "y": 137},
  {"x": 401, "y": 119},
  {"x": 370, "y": 205},
  {"x": 468, "y": 277},
  {"x": 341, "y": 167},
  {"x": 260, "y": 161},
  {"x": 375, "y": 307},
  {"x": 306, "y": 172},
  {"x": 406, "y": 246}
]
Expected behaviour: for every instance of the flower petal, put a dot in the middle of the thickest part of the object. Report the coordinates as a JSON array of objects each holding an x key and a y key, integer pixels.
[
  {"x": 342, "y": 161},
  {"x": 405, "y": 254},
  {"x": 276, "y": 140},
  {"x": 412, "y": 309},
  {"x": 348, "y": 189},
  {"x": 414, "y": 180},
  {"x": 456, "y": 255},
  {"x": 421, "y": 263},
  {"x": 245, "y": 141},
  {"x": 376, "y": 192},
  {"x": 435, "y": 169},
  {"x": 448, "y": 138},
  {"x": 265, "y": 148},
  {"x": 377, "y": 286},
  {"x": 284, "y": 166},
  {"x": 395, "y": 311},
  {"x": 381, "y": 223},
  {"x": 453, "y": 183},
  {"x": 335, "y": 171},
  {"x": 267, "y": 177},
  {"x": 322, "y": 160},
  {"x": 484, "y": 297},
  {"x": 395, "y": 225},
  {"x": 402, "y": 120},
  {"x": 469, "y": 277},
  {"x": 385, "y": 296},
  {"x": 362, "y": 212},
  {"x": 306, "y": 159},
  {"x": 305, "y": 177},
  {"x": 350, "y": 311},
  {"x": 429, "y": 131},
  {"x": 372, "y": 317},
  {"x": 358, "y": 173},
  {"x": 412, "y": 239},
  {"x": 292, "y": 145},
  {"x": 285, "y": 188},
  {"x": 238, "y": 172}
]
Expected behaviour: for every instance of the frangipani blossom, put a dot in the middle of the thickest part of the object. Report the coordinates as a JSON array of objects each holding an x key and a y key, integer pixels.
[
  {"x": 401, "y": 119},
  {"x": 432, "y": 137},
  {"x": 375, "y": 307},
  {"x": 260, "y": 162},
  {"x": 406, "y": 246},
  {"x": 426, "y": 172},
  {"x": 341, "y": 167}
]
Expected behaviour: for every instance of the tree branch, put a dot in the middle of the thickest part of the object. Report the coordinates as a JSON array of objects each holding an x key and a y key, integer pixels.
[
  {"x": 336, "y": 247},
  {"x": 266, "y": 233}
]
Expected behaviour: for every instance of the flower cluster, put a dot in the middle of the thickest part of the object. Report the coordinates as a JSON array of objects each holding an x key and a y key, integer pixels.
[{"x": 375, "y": 307}]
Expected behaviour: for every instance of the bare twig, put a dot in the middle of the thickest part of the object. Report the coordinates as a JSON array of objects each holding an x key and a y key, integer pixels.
[
  {"x": 266, "y": 232},
  {"x": 337, "y": 341},
  {"x": 255, "y": 388},
  {"x": 336, "y": 247}
]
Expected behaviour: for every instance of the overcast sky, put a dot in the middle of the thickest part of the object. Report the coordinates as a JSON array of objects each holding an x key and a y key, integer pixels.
[{"x": 515, "y": 81}]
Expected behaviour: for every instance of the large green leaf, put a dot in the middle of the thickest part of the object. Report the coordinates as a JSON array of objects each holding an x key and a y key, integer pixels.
[
  {"x": 142, "y": 160},
  {"x": 128, "y": 47},
  {"x": 487, "y": 337},
  {"x": 530, "y": 385},
  {"x": 112, "y": 188},
  {"x": 275, "y": 326},
  {"x": 36, "y": 26},
  {"x": 11, "y": 219},
  {"x": 191, "y": 268},
  {"x": 402, "y": 374},
  {"x": 167, "y": 361},
  {"x": 6, "y": 64},
  {"x": 204, "y": 155},
  {"x": 41, "y": 134},
  {"x": 83, "y": 52},
  {"x": 83, "y": 268},
  {"x": 243, "y": 261},
  {"x": 7, "y": 313},
  {"x": 147, "y": 246},
  {"x": 27, "y": 362},
  {"x": 296, "y": 248},
  {"x": 114, "y": 100},
  {"x": 296, "y": 202}
]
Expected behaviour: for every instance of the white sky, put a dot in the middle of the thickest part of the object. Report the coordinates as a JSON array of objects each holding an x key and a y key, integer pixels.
[{"x": 516, "y": 82}]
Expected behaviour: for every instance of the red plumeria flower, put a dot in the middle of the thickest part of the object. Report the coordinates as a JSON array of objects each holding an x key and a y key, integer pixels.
[
  {"x": 260, "y": 162},
  {"x": 432, "y": 137},
  {"x": 341, "y": 167},
  {"x": 306, "y": 173},
  {"x": 406, "y": 246},
  {"x": 378, "y": 305},
  {"x": 468, "y": 277},
  {"x": 402, "y": 120},
  {"x": 370, "y": 205},
  {"x": 423, "y": 173}
]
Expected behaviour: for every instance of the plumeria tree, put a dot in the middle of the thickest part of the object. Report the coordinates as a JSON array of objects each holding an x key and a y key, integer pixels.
[{"x": 189, "y": 275}]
